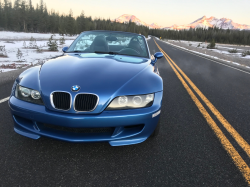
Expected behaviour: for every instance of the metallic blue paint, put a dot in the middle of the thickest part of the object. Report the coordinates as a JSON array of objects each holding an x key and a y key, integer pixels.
[
  {"x": 158, "y": 55},
  {"x": 64, "y": 49},
  {"x": 107, "y": 76}
]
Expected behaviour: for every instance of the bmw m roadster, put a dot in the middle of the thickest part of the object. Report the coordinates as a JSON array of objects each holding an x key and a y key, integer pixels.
[{"x": 105, "y": 87}]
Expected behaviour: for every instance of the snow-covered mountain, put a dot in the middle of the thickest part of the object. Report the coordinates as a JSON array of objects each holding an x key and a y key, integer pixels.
[
  {"x": 205, "y": 22},
  {"x": 202, "y": 22},
  {"x": 127, "y": 17},
  {"x": 155, "y": 26}
]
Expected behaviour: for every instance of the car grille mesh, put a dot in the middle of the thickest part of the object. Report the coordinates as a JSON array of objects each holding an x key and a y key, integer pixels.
[
  {"x": 85, "y": 102},
  {"x": 61, "y": 100}
]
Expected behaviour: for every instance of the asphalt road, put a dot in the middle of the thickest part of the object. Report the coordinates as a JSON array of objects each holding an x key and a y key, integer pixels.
[{"x": 187, "y": 152}]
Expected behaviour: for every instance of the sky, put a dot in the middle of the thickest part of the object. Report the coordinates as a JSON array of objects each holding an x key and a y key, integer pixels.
[{"x": 162, "y": 12}]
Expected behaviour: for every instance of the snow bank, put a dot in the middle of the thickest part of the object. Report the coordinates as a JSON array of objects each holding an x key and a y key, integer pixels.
[
  {"x": 235, "y": 63},
  {"x": 148, "y": 38},
  {"x": 6, "y": 35},
  {"x": 15, "y": 40}
]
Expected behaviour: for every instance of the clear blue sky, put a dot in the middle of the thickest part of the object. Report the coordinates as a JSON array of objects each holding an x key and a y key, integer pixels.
[{"x": 162, "y": 12}]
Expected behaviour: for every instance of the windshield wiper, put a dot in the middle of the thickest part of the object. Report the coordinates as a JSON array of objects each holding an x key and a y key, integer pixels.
[
  {"x": 76, "y": 51},
  {"x": 101, "y": 52},
  {"x": 105, "y": 52}
]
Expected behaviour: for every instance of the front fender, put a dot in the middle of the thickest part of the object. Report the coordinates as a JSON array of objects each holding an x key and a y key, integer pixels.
[{"x": 30, "y": 78}]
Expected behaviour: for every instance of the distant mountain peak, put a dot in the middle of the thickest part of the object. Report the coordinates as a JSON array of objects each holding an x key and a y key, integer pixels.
[
  {"x": 203, "y": 22},
  {"x": 155, "y": 26},
  {"x": 125, "y": 18},
  {"x": 202, "y": 18}
]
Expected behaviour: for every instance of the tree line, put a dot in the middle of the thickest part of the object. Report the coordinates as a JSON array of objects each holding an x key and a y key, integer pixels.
[
  {"x": 201, "y": 34},
  {"x": 23, "y": 16}
]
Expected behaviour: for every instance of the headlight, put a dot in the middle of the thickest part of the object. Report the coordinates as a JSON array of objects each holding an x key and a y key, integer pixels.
[
  {"x": 25, "y": 92},
  {"x": 35, "y": 94},
  {"x": 29, "y": 95},
  {"x": 130, "y": 102}
]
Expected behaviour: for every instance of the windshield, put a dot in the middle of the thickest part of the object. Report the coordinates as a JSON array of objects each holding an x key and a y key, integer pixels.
[{"x": 111, "y": 43}]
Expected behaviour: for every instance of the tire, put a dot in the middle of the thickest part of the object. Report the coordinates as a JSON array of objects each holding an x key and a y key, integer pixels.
[{"x": 157, "y": 130}]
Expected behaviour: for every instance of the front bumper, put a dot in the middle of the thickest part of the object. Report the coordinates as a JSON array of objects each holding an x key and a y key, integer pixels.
[{"x": 129, "y": 126}]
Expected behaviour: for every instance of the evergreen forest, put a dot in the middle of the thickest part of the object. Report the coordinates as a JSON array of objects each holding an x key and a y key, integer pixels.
[{"x": 24, "y": 16}]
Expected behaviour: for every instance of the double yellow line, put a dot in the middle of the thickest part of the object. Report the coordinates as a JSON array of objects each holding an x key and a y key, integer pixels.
[{"x": 239, "y": 162}]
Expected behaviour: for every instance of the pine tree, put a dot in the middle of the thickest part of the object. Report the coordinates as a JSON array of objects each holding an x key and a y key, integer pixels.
[
  {"x": 62, "y": 40},
  {"x": 32, "y": 43},
  {"x": 39, "y": 49},
  {"x": 3, "y": 52},
  {"x": 24, "y": 45},
  {"x": 211, "y": 45},
  {"x": 30, "y": 18},
  {"x": 1, "y": 13},
  {"x": 19, "y": 54},
  {"x": 70, "y": 23},
  {"x": 23, "y": 16},
  {"x": 52, "y": 44}
]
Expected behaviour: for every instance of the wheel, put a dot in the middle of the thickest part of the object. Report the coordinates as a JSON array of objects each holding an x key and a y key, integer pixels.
[{"x": 157, "y": 130}]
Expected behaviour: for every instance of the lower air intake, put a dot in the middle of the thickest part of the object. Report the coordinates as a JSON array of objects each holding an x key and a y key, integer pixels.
[{"x": 81, "y": 130}]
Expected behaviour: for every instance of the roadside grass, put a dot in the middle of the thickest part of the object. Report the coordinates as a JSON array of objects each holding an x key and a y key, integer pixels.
[
  {"x": 233, "y": 51},
  {"x": 245, "y": 53},
  {"x": 3, "y": 56}
]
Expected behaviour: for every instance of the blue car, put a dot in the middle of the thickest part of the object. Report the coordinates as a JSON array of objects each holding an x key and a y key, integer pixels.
[{"x": 105, "y": 87}]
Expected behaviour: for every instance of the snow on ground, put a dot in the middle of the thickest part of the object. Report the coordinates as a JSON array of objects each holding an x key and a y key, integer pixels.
[
  {"x": 148, "y": 38},
  {"x": 5, "y": 70},
  {"x": 220, "y": 51},
  {"x": 6, "y": 35},
  {"x": 30, "y": 56},
  {"x": 220, "y": 48},
  {"x": 14, "y": 41}
]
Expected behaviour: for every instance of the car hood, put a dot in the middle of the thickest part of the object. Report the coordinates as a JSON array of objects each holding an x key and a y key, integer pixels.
[{"x": 100, "y": 74}]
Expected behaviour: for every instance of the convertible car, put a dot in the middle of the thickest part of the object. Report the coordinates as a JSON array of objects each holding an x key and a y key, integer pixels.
[{"x": 105, "y": 87}]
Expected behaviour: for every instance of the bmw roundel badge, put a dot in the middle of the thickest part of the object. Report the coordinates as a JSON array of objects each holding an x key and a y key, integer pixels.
[{"x": 75, "y": 88}]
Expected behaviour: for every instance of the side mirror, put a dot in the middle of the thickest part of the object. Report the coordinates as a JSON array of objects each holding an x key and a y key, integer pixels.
[
  {"x": 65, "y": 49},
  {"x": 157, "y": 56}
]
